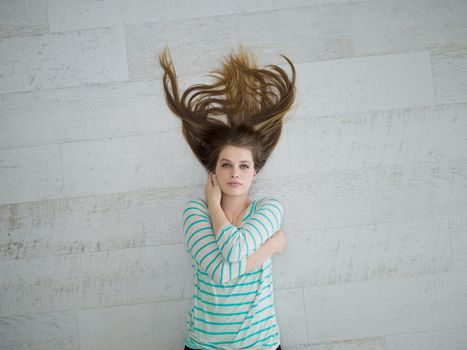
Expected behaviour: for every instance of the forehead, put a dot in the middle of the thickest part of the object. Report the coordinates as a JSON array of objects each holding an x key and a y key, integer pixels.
[{"x": 236, "y": 154}]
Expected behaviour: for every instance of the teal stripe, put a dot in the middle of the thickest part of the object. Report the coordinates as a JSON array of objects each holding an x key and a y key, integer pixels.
[
  {"x": 251, "y": 235},
  {"x": 264, "y": 226},
  {"x": 203, "y": 203},
  {"x": 204, "y": 317},
  {"x": 230, "y": 323},
  {"x": 197, "y": 201},
  {"x": 223, "y": 231},
  {"x": 263, "y": 320},
  {"x": 214, "y": 271},
  {"x": 217, "y": 323},
  {"x": 251, "y": 224},
  {"x": 225, "y": 295},
  {"x": 253, "y": 206},
  {"x": 269, "y": 220},
  {"x": 222, "y": 313},
  {"x": 199, "y": 239},
  {"x": 206, "y": 218},
  {"x": 234, "y": 332},
  {"x": 226, "y": 305},
  {"x": 267, "y": 296},
  {"x": 246, "y": 244},
  {"x": 203, "y": 213},
  {"x": 207, "y": 267},
  {"x": 204, "y": 257},
  {"x": 228, "y": 239},
  {"x": 213, "y": 333},
  {"x": 201, "y": 345},
  {"x": 248, "y": 336},
  {"x": 234, "y": 234},
  {"x": 233, "y": 286},
  {"x": 278, "y": 206},
  {"x": 275, "y": 216},
  {"x": 228, "y": 286},
  {"x": 194, "y": 233},
  {"x": 230, "y": 251},
  {"x": 245, "y": 274},
  {"x": 252, "y": 307},
  {"x": 256, "y": 342},
  {"x": 263, "y": 309},
  {"x": 240, "y": 263}
]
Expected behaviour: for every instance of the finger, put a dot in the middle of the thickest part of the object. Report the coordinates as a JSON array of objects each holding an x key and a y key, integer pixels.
[{"x": 210, "y": 178}]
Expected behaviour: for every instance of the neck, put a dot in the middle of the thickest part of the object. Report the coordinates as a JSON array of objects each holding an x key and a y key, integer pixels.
[{"x": 234, "y": 206}]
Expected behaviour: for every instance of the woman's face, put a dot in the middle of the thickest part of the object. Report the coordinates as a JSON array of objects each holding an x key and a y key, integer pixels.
[{"x": 235, "y": 164}]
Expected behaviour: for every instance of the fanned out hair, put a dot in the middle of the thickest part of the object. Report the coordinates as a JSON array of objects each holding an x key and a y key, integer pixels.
[{"x": 253, "y": 100}]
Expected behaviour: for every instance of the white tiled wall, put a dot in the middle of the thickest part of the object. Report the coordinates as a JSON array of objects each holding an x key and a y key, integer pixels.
[{"x": 371, "y": 170}]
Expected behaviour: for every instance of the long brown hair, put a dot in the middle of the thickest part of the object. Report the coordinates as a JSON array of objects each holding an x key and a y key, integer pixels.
[{"x": 254, "y": 100}]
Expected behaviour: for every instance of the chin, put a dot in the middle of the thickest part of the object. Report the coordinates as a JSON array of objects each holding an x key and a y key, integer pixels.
[{"x": 234, "y": 191}]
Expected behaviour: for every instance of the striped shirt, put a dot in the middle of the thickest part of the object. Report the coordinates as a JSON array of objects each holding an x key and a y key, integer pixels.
[{"x": 231, "y": 309}]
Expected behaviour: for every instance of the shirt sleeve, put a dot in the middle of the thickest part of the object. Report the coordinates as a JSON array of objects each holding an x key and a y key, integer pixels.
[
  {"x": 202, "y": 245},
  {"x": 236, "y": 243}
]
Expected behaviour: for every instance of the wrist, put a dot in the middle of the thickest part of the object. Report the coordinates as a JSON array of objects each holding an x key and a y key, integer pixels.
[
  {"x": 270, "y": 246},
  {"x": 213, "y": 205}
]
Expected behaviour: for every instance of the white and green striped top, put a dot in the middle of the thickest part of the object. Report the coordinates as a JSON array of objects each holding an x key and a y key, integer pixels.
[{"x": 231, "y": 309}]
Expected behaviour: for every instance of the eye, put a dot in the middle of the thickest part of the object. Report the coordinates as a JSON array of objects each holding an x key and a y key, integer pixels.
[{"x": 243, "y": 165}]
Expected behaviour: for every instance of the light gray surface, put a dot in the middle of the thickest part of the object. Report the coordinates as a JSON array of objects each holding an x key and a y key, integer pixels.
[{"x": 371, "y": 170}]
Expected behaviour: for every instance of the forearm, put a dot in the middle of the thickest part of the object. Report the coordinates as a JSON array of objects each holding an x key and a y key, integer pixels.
[
  {"x": 259, "y": 256},
  {"x": 217, "y": 216},
  {"x": 238, "y": 242}
]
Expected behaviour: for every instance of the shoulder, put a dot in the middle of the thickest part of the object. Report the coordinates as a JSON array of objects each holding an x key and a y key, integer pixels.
[
  {"x": 197, "y": 204},
  {"x": 270, "y": 202}
]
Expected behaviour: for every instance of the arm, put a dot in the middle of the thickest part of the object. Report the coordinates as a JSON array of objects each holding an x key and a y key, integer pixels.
[
  {"x": 202, "y": 245},
  {"x": 257, "y": 258},
  {"x": 237, "y": 242}
]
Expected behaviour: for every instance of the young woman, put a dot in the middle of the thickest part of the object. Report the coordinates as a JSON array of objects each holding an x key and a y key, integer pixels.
[{"x": 231, "y": 238}]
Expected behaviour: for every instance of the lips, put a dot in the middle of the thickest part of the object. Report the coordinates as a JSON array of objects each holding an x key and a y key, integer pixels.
[{"x": 234, "y": 183}]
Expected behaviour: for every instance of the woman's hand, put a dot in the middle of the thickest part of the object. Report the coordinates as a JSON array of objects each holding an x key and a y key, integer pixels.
[
  {"x": 278, "y": 241},
  {"x": 213, "y": 190}
]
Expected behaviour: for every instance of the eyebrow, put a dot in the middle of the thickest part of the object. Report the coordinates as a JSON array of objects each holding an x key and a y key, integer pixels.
[{"x": 242, "y": 161}]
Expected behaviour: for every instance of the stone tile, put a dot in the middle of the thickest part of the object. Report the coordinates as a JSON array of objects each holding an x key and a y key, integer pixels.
[
  {"x": 29, "y": 174},
  {"x": 359, "y": 84},
  {"x": 83, "y": 113},
  {"x": 99, "y": 279},
  {"x": 70, "y": 226},
  {"x": 139, "y": 326},
  {"x": 62, "y": 59},
  {"x": 366, "y": 252},
  {"x": 372, "y": 139},
  {"x": 417, "y": 190},
  {"x": 397, "y": 25},
  {"x": 42, "y": 331},
  {"x": 452, "y": 339},
  {"x": 386, "y": 307},
  {"x": 309, "y": 34},
  {"x": 22, "y": 18},
  {"x": 450, "y": 73}
]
